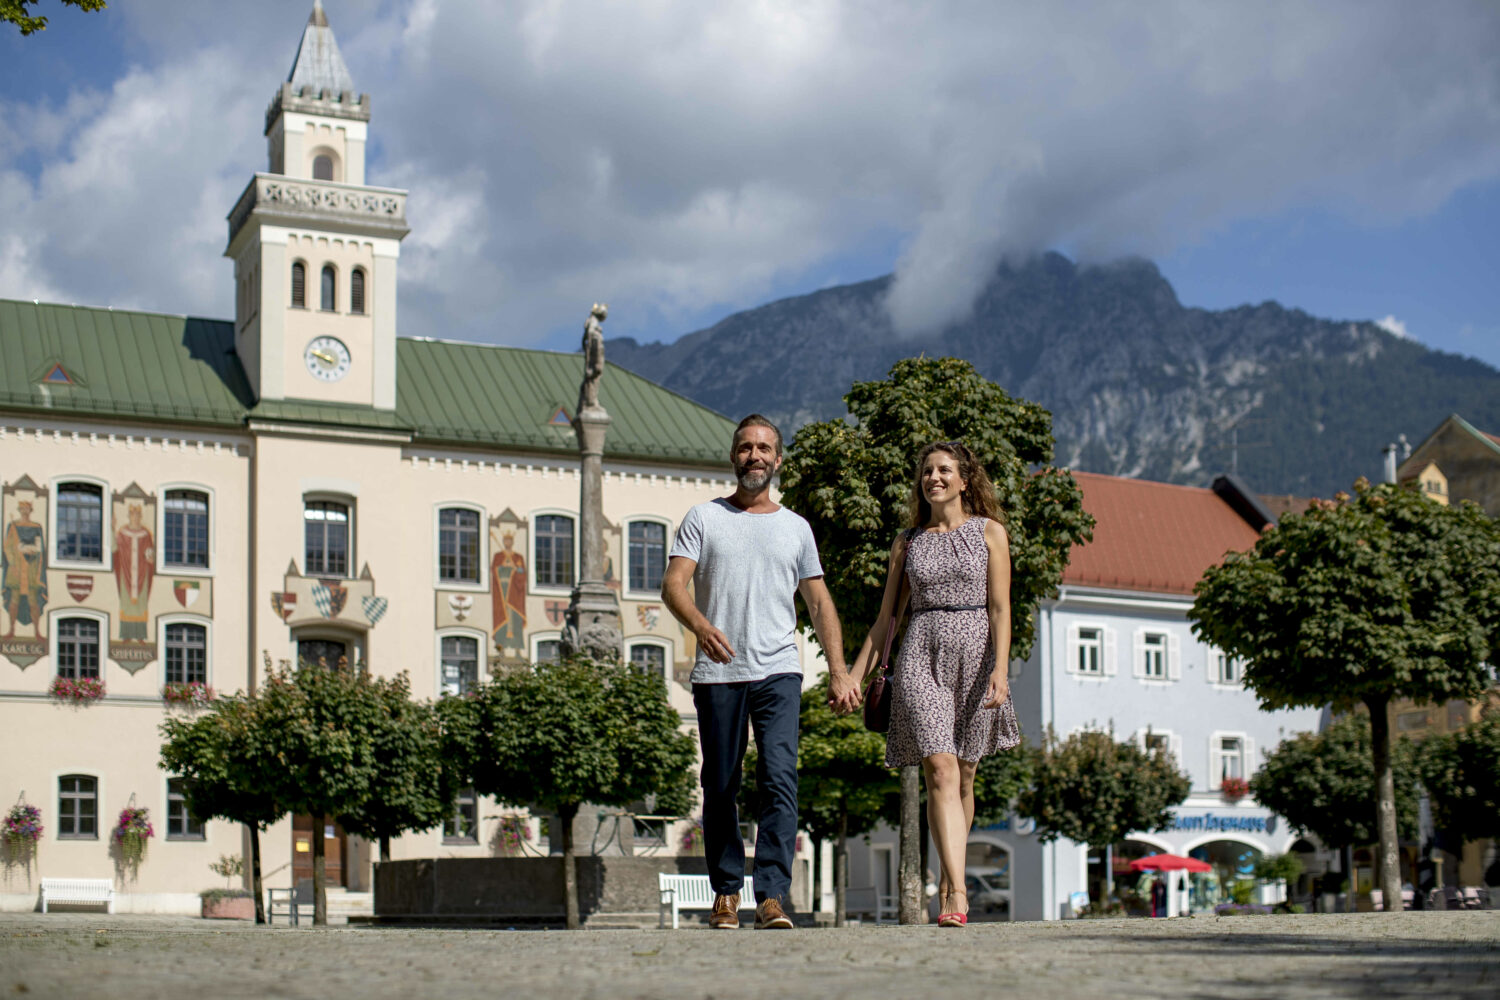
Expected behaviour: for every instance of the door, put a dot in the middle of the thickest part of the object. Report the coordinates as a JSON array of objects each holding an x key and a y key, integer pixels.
[{"x": 335, "y": 846}]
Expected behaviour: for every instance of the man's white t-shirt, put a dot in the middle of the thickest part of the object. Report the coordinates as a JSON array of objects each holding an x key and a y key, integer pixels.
[{"x": 745, "y": 584}]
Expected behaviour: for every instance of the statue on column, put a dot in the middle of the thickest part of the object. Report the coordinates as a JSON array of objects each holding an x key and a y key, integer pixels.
[{"x": 593, "y": 358}]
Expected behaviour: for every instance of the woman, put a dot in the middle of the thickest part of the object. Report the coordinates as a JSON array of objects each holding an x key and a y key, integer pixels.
[{"x": 950, "y": 703}]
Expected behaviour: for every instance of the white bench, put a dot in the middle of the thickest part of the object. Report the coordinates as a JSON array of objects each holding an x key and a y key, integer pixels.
[
  {"x": 78, "y": 890},
  {"x": 694, "y": 892}
]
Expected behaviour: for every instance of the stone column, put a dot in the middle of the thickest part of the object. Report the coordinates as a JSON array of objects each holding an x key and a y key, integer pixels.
[{"x": 593, "y": 622}]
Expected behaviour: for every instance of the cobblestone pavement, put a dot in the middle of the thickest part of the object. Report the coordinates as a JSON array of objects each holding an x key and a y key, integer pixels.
[{"x": 1434, "y": 955}]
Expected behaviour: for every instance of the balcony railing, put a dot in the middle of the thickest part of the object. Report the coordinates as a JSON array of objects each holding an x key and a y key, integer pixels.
[{"x": 379, "y": 211}]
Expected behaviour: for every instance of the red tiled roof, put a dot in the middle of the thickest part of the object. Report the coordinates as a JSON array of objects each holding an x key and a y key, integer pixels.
[{"x": 1153, "y": 537}]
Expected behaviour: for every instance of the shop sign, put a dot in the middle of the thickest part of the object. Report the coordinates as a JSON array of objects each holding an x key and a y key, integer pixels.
[{"x": 1218, "y": 823}]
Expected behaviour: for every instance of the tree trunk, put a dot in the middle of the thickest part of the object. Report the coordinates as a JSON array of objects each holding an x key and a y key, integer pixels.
[
  {"x": 385, "y": 848},
  {"x": 1350, "y": 883},
  {"x": 912, "y": 876},
  {"x": 924, "y": 843},
  {"x": 841, "y": 869},
  {"x": 255, "y": 883},
  {"x": 1387, "y": 865},
  {"x": 320, "y": 874},
  {"x": 1109, "y": 873},
  {"x": 565, "y": 815},
  {"x": 817, "y": 875}
]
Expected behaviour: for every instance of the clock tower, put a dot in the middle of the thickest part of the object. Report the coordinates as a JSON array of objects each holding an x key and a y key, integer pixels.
[{"x": 314, "y": 247}]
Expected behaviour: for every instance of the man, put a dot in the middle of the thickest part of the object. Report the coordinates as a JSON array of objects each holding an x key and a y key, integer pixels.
[
  {"x": 747, "y": 558},
  {"x": 23, "y": 569}
]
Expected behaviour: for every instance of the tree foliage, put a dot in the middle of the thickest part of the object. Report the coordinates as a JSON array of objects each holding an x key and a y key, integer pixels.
[
  {"x": 1365, "y": 598},
  {"x": 15, "y": 11},
  {"x": 852, "y": 479},
  {"x": 414, "y": 781},
  {"x": 1323, "y": 784},
  {"x": 562, "y": 734},
  {"x": 1094, "y": 790},
  {"x": 998, "y": 783},
  {"x": 1461, "y": 772}
]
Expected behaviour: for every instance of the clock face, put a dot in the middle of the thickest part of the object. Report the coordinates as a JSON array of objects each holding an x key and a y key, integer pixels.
[{"x": 327, "y": 359}]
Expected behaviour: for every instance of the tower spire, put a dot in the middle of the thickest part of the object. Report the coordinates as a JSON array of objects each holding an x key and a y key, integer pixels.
[{"x": 318, "y": 64}]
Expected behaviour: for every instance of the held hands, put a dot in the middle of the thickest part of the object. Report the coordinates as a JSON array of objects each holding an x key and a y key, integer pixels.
[
  {"x": 843, "y": 692},
  {"x": 715, "y": 644},
  {"x": 998, "y": 689}
]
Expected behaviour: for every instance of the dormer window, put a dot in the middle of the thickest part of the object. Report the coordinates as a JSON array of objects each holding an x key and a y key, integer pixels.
[
  {"x": 323, "y": 168},
  {"x": 329, "y": 286}
]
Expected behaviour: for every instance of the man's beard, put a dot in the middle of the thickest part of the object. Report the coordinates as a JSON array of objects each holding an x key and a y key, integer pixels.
[{"x": 753, "y": 479}]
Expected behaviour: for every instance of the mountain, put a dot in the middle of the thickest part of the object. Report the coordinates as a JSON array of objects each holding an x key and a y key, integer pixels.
[{"x": 1138, "y": 384}]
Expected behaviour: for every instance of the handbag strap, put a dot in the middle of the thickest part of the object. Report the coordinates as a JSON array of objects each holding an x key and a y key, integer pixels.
[{"x": 904, "y": 591}]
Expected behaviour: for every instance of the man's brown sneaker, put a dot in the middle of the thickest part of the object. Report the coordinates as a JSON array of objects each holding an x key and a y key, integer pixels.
[
  {"x": 770, "y": 916},
  {"x": 726, "y": 913}
]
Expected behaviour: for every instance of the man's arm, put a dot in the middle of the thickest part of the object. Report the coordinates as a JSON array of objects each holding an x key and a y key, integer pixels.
[
  {"x": 674, "y": 594},
  {"x": 843, "y": 693}
]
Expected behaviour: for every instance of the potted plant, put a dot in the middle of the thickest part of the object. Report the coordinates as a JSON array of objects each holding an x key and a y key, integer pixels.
[
  {"x": 228, "y": 903},
  {"x": 80, "y": 691},
  {"x": 515, "y": 832},
  {"x": 132, "y": 833},
  {"x": 23, "y": 828},
  {"x": 189, "y": 694},
  {"x": 1234, "y": 789}
]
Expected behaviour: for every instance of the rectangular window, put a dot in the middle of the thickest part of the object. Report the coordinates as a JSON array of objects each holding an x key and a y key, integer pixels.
[
  {"x": 462, "y": 826},
  {"x": 648, "y": 554},
  {"x": 1231, "y": 757},
  {"x": 78, "y": 648},
  {"x": 80, "y": 522},
  {"x": 649, "y": 658},
  {"x": 458, "y": 545},
  {"x": 460, "y": 664},
  {"x": 328, "y": 653},
  {"x": 1090, "y": 650},
  {"x": 77, "y": 807},
  {"x": 554, "y": 551},
  {"x": 548, "y": 651},
  {"x": 1226, "y": 669},
  {"x": 1154, "y": 656},
  {"x": 185, "y": 529},
  {"x": 187, "y": 654},
  {"x": 1154, "y": 742},
  {"x": 181, "y": 824},
  {"x": 326, "y": 526}
]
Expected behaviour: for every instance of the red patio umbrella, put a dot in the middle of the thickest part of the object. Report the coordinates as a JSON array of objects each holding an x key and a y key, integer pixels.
[{"x": 1170, "y": 863}]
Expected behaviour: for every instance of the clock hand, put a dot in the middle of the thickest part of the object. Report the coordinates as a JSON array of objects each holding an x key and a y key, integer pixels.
[{"x": 325, "y": 357}]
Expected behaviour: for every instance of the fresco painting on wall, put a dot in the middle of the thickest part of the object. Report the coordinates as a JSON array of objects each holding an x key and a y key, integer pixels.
[
  {"x": 304, "y": 600},
  {"x": 134, "y": 565},
  {"x": 23, "y": 572},
  {"x": 508, "y": 586}
]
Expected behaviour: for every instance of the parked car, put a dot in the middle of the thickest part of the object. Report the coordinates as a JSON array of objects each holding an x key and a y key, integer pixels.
[{"x": 988, "y": 889}]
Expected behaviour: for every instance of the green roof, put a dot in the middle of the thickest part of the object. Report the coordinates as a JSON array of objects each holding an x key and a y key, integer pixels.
[{"x": 183, "y": 369}]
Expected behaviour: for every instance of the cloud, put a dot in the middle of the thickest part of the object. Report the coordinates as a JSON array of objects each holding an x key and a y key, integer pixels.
[
  {"x": 675, "y": 158},
  {"x": 1392, "y": 325}
]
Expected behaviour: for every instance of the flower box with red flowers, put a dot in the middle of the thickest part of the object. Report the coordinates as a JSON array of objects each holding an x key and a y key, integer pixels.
[
  {"x": 82, "y": 689},
  {"x": 1235, "y": 789},
  {"x": 190, "y": 693}
]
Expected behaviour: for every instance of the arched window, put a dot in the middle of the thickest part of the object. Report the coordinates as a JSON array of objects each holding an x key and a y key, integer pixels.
[
  {"x": 329, "y": 302},
  {"x": 323, "y": 168},
  {"x": 299, "y": 285},
  {"x": 458, "y": 545},
  {"x": 357, "y": 290},
  {"x": 185, "y": 529},
  {"x": 327, "y": 524}
]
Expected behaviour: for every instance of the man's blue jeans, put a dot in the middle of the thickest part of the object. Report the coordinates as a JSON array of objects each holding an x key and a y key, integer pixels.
[{"x": 772, "y": 707}]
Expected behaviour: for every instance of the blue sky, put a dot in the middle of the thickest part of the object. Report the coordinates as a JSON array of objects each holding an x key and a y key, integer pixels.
[{"x": 684, "y": 161}]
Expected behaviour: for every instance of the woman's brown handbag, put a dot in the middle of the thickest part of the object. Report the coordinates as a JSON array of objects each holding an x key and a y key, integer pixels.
[{"x": 878, "y": 694}]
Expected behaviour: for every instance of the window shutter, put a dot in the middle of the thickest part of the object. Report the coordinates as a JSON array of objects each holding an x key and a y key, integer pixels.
[
  {"x": 1175, "y": 743},
  {"x": 299, "y": 284},
  {"x": 1138, "y": 657},
  {"x": 1174, "y": 657},
  {"x": 1211, "y": 671},
  {"x": 1070, "y": 665},
  {"x": 1111, "y": 652},
  {"x": 1215, "y": 765},
  {"x": 1249, "y": 763}
]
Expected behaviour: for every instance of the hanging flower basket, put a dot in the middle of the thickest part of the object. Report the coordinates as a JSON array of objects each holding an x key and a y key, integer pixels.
[
  {"x": 192, "y": 694},
  {"x": 692, "y": 838},
  {"x": 23, "y": 828},
  {"x": 132, "y": 833},
  {"x": 515, "y": 833},
  {"x": 80, "y": 691},
  {"x": 1235, "y": 789}
]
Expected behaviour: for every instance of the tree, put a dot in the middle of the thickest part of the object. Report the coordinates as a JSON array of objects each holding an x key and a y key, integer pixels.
[
  {"x": 16, "y": 13},
  {"x": 1094, "y": 790},
  {"x": 562, "y": 734},
  {"x": 999, "y": 781},
  {"x": 415, "y": 782},
  {"x": 1323, "y": 784},
  {"x": 1362, "y": 600},
  {"x": 844, "y": 788},
  {"x": 852, "y": 480},
  {"x": 226, "y": 772},
  {"x": 1461, "y": 772},
  {"x": 320, "y": 725}
]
